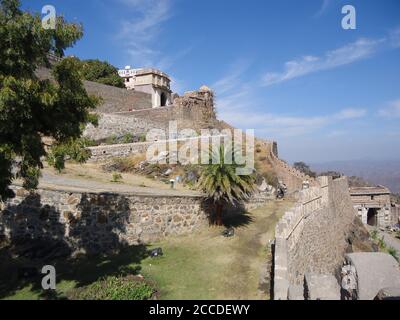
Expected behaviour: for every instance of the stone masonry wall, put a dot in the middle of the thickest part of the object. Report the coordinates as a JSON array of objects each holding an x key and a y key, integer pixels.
[
  {"x": 94, "y": 222},
  {"x": 118, "y": 99},
  {"x": 101, "y": 222},
  {"x": 292, "y": 177},
  {"x": 117, "y": 125},
  {"x": 194, "y": 110},
  {"x": 114, "y": 99},
  {"x": 312, "y": 236}
]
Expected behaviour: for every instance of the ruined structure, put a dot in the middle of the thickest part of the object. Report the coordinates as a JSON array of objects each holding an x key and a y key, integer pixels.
[{"x": 373, "y": 206}]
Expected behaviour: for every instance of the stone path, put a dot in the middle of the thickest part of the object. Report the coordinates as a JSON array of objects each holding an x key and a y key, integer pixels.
[{"x": 61, "y": 182}]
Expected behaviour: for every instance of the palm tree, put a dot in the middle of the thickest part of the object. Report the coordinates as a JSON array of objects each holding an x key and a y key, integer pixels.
[{"x": 223, "y": 185}]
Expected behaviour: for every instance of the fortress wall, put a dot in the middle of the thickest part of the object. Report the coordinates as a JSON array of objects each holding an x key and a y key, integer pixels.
[
  {"x": 187, "y": 117},
  {"x": 312, "y": 236},
  {"x": 195, "y": 111},
  {"x": 106, "y": 152},
  {"x": 114, "y": 99},
  {"x": 292, "y": 177},
  {"x": 118, "y": 125},
  {"x": 118, "y": 99},
  {"x": 94, "y": 222}
]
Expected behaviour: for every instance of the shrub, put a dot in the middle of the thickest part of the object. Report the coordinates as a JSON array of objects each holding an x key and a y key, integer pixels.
[
  {"x": 393, "y": 252},
  {"x": 128, "y": 138},
  {"x": 374, "y": 235},
  {"x": 381, "y": 244},
  {"x": 116, "y": 177},
  {"x": 111, "y": 140},
  {"x": 115, "y": 288},
  {"x": 142, "y": 138}
]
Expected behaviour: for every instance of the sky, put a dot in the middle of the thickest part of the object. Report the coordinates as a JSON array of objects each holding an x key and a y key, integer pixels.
[{"x": 282, "y": 67}]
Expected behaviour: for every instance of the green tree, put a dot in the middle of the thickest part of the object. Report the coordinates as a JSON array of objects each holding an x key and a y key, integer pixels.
[
  {"x": 222, "y": 184},
  {"x": 304, "y": 168},
  {"x": 101, "y": 72},
  {"x": 31, "y": 109}
]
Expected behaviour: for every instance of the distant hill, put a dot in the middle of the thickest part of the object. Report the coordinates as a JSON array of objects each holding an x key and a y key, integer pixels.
[{"x": 383, "y": 172}]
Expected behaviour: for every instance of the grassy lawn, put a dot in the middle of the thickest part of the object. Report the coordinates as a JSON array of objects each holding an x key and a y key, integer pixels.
[{"x": 203, "y": 265}]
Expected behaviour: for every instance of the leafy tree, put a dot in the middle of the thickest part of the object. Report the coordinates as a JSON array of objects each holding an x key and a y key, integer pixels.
[
  {"x": 223, "y": 185},
  {"x": 304, "y": 168},
  {"x": 30, "y": 108},
  {"x": 101, "y": 72}
]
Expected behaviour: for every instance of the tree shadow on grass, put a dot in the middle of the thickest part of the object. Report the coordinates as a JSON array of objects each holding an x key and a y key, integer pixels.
[
  {"x": 235, "y": 220},
  {"x": 233, "y": 216},
  {"x": 17, "y": 273}
]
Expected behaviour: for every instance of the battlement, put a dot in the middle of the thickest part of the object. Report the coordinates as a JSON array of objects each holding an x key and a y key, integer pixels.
[{"x": 311, "y": 237}]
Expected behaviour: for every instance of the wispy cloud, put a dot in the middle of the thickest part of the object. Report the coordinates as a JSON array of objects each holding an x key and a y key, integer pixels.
[
  {"x": 361, "y": 49},
  {"x": 232, "y": 91},
  {"x": 351, "y": 113},
  {"x": 285, "y": 125},
  {"x": 392, "y": 110},
  {"x": 235, "y": 97},
  {"x": 140, "y": 33},
  {"x": 324, "y": 6}
]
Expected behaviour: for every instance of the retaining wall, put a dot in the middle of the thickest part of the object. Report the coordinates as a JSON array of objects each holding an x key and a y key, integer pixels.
[{"x": 99, "y": 222}]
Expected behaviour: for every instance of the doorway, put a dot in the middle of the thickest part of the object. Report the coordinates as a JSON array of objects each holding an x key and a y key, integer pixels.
[
  {"x": 163, "y": 99},
  {"x": 372, "y": 217}
]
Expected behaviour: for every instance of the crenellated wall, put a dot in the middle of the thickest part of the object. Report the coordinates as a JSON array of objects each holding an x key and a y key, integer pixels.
[
  {"x": 292, "y": 177},
  {"x": 311, "y": 238}
]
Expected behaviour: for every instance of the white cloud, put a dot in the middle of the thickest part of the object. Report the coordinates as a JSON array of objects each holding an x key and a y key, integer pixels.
[
  {"x": 391, "y": 111},
  {"x": 140, "y": 33},
  {"x": 237, "y": 102},
  {"x": 361, "y": 49},
  {"x": 351, "y": 113},
  {"x": 232, "y": 80}
]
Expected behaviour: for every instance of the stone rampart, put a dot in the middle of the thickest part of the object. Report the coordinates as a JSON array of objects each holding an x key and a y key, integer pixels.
[
  {"x": 292, "y": 177},
  {"x": 118, "y": 125},
  {"x": 311, "y": 238}
]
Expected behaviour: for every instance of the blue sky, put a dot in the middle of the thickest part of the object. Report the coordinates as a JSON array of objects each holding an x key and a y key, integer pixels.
[{"x": 285, "y": 68}]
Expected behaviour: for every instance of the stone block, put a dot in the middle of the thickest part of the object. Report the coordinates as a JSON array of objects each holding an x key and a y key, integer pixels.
[
  {"x": 296, "y": 292},
  {"x": 321, "y": 287}
]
